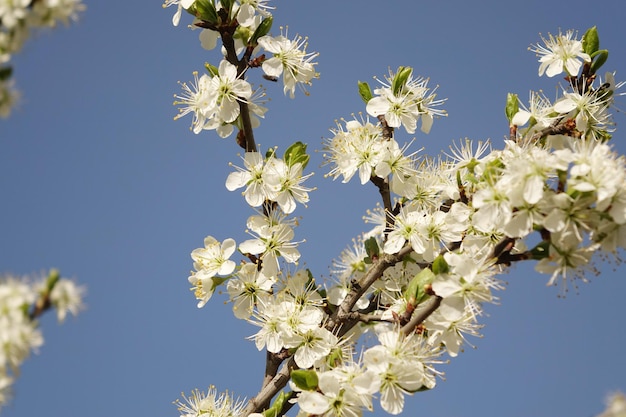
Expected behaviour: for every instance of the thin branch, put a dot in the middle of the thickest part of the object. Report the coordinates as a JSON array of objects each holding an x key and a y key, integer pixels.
[
  {"x": 383, "y": 188},
  {"x": 255, "y": 405},
  {"x": 429, "y": 308},
  {"x": 339, "y": 320}
]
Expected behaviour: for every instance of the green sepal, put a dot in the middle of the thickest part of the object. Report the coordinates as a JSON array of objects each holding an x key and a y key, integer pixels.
[
  {"x": 277, "y": 406},
  {"x": 414, "y": 292},
  {"x": 365, "y": 91},
  {"x": 591, "y": 41},
  {"x": 541, "y": 251},
  {"x": 204, "y": 10},
  {"x": 211, "y": 69},
  {"x": 305, "y": 379},
  {"x": 5, "y": 73},
  {"x": 440, "y": 266},
  {"x": 371, "y": 249},
  {"x": 296, "y": 153},
  {"x": 399, "y": 80},
  {"x": 262, "y": 30},
  {"x": 599, "y": 58},
  {"x": 512, "y": 106}
]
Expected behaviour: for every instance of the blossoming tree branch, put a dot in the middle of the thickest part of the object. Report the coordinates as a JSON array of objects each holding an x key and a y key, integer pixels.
[
  {"x": 408, "y": 292},
  {"x": 23, "y": 300}
]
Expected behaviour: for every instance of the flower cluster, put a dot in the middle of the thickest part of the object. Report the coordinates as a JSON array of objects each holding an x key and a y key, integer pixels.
[
  {"x": 21, "y": 302},
  {"x": 214, "y": 99},
  {"x": 403, "y": 101},
  {"x": 18, "y": 18},
  {"x": 413, "y": 288}
]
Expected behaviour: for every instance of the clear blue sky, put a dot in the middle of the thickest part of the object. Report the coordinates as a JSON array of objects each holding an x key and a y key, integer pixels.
[{"x": 97, "y": 180}]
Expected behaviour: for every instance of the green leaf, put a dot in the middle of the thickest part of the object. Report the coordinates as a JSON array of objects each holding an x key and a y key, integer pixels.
[
  {"x": 365, "y": 91},
  {"x": 599, "y": 58},
  {"x": 512, "y": 106},
  {"x": 440, "y": 266},
  {"x": 371, "y": 247},
  {"x": 296, "y": 153},
  {"x": 205, "y": 10},
  {"x": 399, "y": 80},
  {"x": 262, "y": 30},
  {"x": 305, "y": 379},
  {"x": 591, "y": 41}
]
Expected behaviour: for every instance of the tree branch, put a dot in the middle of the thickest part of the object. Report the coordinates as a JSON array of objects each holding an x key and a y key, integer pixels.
[
  {"x": 255, "y": 405},
  {"x": 429, "y": 308},
  {"x": 339, "y": 321}
]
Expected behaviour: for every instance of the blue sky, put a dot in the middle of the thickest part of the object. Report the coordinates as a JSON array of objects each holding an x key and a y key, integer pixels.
[{"x": 96, "y": 179}]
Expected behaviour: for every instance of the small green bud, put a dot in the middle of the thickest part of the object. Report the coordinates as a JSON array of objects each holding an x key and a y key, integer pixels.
[
  {"x": 591, "y": 41},
  {"x": 399, "y": 80},
  {"x": 365, "y": 91},
  {"x": 296, "y": 153},
  {"x": 305, "y": 379},
  {"x": 414, "y": 292},
  {"x": 512, "y": 106}
]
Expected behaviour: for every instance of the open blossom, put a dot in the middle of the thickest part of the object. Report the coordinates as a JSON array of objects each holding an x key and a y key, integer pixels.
[
  {"x": 210, "y": 404},
  {"x": 357, "y": 148},
  {"x": 538, "y": 113},
  {"x": 248, "y": 287},
  {"x": 180, "y": 5},
  {"x": 251, "y": 177},
  {"x": 272, "y": 241},
  {"x": 195, "y": 100},
  {"x": 208, "y": 262},
  {"x": 225, "y": 91},
  {"x": 284, "y": 184},
  {"x": 290, "y": 59},
  {"x": 406, "y": 106},
  {"x": 560, "y": 53},
  {"x": 67, "y": 297}
]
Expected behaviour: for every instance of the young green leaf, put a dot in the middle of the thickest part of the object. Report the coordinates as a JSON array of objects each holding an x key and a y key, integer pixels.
[
  {"x": 365, "y": 91},
  {"x": 305, "y": 379},
  {"x": 512, "y": 106},
  {"x": 591, "y": 41},
  {"x": 296, "y": 153},
  {"x": 399, "y": 81},
  {"x": 599, "y": 58}
]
